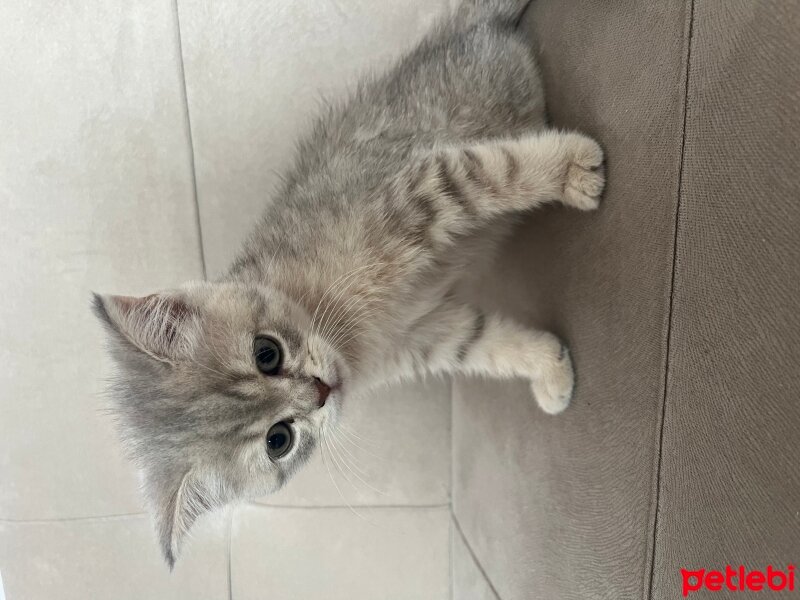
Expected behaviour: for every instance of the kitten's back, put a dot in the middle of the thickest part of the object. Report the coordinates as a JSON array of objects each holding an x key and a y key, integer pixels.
[{"x": 459, "y": 84}]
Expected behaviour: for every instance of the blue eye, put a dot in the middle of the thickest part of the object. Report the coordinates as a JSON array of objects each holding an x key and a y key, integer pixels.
[
  {"x": 279, "y": 440},
  {"x": 268, "y": 356}
]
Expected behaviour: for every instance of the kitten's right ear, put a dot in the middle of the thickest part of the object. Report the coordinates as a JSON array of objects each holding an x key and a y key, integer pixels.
[{"x": 163, "y": 326}]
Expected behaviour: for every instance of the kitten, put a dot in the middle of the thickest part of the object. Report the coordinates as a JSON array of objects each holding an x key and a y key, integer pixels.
[{"x": 350, "y": 279}]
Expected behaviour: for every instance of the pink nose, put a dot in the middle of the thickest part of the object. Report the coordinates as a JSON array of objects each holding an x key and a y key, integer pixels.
[{"x": 324, "y": 391}]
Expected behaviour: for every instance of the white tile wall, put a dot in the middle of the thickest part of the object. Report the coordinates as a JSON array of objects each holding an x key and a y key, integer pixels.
[
  {"x": 333, "y": 554},
  {"x": 97, "y": 193},
  {"x": 256, "y": 73},
  {"x": 110, "y": 559}
]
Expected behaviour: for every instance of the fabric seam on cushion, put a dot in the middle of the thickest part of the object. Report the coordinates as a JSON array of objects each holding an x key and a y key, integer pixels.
[
  {"x": 649, "y": 582},
  {"x": 230, "y": 562},
  {"x": 182, "y": 74}
]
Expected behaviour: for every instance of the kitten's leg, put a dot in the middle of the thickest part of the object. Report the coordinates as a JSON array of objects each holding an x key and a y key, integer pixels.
[
  {"x": 466, "y": 340},
  {"x": 467, "y": 186},
  {"x": 499, "y": 176}
]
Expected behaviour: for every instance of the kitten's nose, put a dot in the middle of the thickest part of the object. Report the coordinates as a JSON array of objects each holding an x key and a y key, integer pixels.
[{"x": 324, "y": 390}]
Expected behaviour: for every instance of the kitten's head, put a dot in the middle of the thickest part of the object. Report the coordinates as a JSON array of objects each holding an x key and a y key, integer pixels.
[{"x": 221, "y": 394}]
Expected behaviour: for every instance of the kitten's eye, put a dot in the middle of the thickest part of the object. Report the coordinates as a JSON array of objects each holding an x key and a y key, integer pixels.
[
  {"x": 279, "y": 440},
  {"x": 267, "y": 353}
]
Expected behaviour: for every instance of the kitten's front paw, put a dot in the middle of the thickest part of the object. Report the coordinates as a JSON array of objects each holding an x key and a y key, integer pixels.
[
  {"x": 553, "y": 390},
  {"x": 585, "y": 178}
]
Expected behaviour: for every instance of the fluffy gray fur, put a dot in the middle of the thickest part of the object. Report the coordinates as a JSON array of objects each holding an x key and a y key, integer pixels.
[{"x": 354, "y": 270}]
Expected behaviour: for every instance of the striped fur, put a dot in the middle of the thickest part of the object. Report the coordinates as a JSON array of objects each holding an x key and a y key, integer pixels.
[{"x": 399, "y": 192}]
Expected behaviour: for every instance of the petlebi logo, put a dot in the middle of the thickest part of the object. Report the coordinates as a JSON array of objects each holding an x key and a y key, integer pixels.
[{"x": 739, "y": 579}]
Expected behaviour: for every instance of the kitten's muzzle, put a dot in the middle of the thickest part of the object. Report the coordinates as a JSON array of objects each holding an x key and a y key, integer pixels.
[{"x": 323, "y": 389}]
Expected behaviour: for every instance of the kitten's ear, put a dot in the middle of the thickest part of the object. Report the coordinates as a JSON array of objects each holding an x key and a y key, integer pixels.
[
  {"x": 178, "y": 501},
  {"x": 160, "y": 325}
]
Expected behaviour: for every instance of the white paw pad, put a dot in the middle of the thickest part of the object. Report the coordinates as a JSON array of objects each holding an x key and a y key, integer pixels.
[
  {"x": 553, "y": 390},
  {"x": 585, "y": 178}
]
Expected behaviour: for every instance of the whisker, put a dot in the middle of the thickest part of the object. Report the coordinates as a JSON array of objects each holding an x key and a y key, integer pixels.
[
  {"x": 223, "y": 361},
  {"x": 355, "y": 324},
  {"x": 339, "y": 295},
  {"x": 338, "y": 308},
  {"x": 352, "y": 459},
  {"x": 336, "y": 485},
  {"x": 342, "y": 338},
  {"x": 368, "y": 309},
  {"x": 338, "y": 462},
  {"x": 352, "y": 433},
  {"x": 368, "y": 451},
  {"x": 327, "y": 291},
  {"x": 355, "y": 474},
  {"x": 219, "y": 375},
  {"x": 337, "y": 315}
]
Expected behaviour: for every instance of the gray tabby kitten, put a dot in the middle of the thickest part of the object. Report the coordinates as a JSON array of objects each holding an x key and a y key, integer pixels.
[{"x": 350, "y": 278}]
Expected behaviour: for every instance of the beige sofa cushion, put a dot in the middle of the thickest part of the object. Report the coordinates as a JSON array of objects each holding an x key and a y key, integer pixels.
[
  {"x": 562, "y": 507},
  {"x": 680, "y": 301},
  {"x": 730, "y": 476}
]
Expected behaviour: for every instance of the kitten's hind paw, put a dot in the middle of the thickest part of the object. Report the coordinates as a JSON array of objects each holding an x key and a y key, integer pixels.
[
  {"x": 585, "y": 179},
  {"x": 553, "y": 390}
]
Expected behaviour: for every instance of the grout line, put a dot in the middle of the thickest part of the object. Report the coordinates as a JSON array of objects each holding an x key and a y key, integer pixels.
[
  {"x": 185, "y": 95},
  {"x": 452, "y": 561},
  {"x": 452, "y": 397},
  {"x": 451, "y": 491},
  {"x": 117, "y": 517},
  {"x": 474, "y": 556},
  {"x": 649, "y": 582},
  {"x": 345, "y": 507},
  {"x": 230, "y": 544}
]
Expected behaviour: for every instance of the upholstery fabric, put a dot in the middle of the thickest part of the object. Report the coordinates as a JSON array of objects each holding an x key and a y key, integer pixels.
[
  {"x": 680, "y": 301},
  {"x": 562, "y": 507},
  {"x": 730, "y": 478}
]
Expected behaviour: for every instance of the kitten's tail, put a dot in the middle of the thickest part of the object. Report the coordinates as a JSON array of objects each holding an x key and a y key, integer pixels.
[{"x": 473, "y": 12}]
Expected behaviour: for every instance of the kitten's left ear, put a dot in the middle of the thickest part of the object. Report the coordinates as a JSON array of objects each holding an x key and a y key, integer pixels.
[{"x": 163, "y": 326}]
